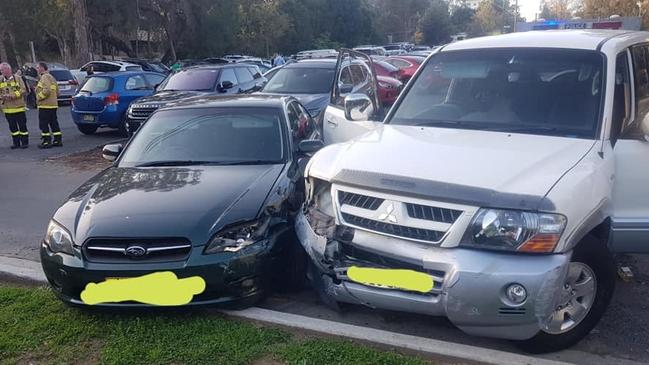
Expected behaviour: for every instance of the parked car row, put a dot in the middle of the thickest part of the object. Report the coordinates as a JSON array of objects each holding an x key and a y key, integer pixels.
[{"x": 482, "y": 195}]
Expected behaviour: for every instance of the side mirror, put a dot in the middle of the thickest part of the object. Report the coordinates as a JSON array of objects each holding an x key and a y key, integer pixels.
[
  {"x": 111, "y": 151},
  {"x": 358, "y": 107},
  {"x": 225, "y": 85},
  {"x": 345, "y": 88},
  {"x": 155, "y": 87},
  {"x": 310, "y": 145}
]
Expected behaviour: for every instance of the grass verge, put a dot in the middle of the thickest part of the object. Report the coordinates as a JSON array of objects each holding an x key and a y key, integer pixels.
[{"x": 37, "y": 328}]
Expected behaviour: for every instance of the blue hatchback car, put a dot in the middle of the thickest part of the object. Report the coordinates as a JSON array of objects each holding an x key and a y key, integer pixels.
[{"x": 103, "y": 98}]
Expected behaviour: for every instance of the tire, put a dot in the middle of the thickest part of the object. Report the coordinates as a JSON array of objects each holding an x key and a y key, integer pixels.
[
  {"x": 592, "y": 253},
  {"x": 87, "y": 129},
  {"x": 293, "y": 262}
]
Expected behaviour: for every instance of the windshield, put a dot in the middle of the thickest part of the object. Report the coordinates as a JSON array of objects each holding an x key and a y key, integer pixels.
[
  {"x": 208, "y": 136},
  {"x": 301, "y": 80},
  {"x": 538, "y": 91},
  {"x": 97, "y": 84},
  {"x": 192, "y": 80},
  {"x": 62, "y": 75}
]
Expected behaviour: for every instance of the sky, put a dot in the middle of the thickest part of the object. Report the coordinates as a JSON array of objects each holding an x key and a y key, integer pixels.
[{"x": 528, "y": 8}]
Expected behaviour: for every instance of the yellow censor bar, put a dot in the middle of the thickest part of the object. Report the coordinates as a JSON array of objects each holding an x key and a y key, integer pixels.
[
  {"x": 159, "y": 288},
  {"x": 392, "y": 278}
]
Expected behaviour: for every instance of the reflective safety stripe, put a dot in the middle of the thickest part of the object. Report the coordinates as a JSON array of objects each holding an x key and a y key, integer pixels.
[
  {"x": 13, "y": 110},
  {"x": 17, "y": 93},
  {"x": 15, "y": 134},
  {"x": 41, "y": 96},
  {"x": 57, "y": 133},
  {"x": 53, "y": 87},
  {"x": 24, "y": 133},
  {"x": 45, "y": 134},
  {"x": 47, "y": 107}
]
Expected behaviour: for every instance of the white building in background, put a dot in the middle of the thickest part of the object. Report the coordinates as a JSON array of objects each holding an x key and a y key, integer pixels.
[{"x": 472, "y": 4}]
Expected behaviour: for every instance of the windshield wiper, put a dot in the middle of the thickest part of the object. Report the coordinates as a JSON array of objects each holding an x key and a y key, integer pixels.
[
  {"x": 173, "y": 163},
  {"x": 198, "y": 162}
]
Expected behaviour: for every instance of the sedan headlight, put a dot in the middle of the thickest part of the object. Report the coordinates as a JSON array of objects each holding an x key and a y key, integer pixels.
[
  {"x": 237, "y": 237},
  {"x": 58, "y": 239},
  {"x": 513, "y": 230}
]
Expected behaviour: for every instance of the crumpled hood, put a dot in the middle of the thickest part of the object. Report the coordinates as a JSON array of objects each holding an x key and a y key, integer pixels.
[
  {"x": 451, "y": 162},
  {"x": 192, "y": 202},
  {"x": 168, "y": 97},
  {"x": 314, "y": 103}
]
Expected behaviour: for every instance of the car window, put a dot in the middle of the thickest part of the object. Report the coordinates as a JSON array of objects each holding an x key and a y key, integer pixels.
[
  {"x": 227, "y": 74},
  {"x": 133, "y": 68},
  {"x": 243, "y": 75},
  {"x": 519, "y": 90},
  {"x": 97, "y": 84},
  {"x": 297, "y": 122},
  {"x": 136, "y": 83},
  {"x": 398, "y": 63},
  {"x": 107, "y": 67},
  {"x": 621, "y": 97},
  {"x": 307, "y": 126},
  {"x": 301, "y": 80},
  {"x": 255, "y": 72},
  {"x": 191, "y": 79},
  {"x": 358, "y": 76},
  {"x": 209, "y": 135},
  {"x": 641, "y": 79},
  {"x": 154, "y": 79},
  {"x": 62, "y": 75}
]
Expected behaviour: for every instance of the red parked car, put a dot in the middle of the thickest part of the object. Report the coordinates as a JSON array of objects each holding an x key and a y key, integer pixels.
[
  {"x": 382, "y": 68},
  {"x": 389, "y": 89},
  {"x": 407, "y": 65}
]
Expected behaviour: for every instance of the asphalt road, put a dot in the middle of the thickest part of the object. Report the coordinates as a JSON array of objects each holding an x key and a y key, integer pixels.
[{"x": 35, "y": 182}]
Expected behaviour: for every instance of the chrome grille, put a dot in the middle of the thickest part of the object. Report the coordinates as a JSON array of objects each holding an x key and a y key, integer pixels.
[
  {"x": 432, "y": 213},
  {"x": 358, "y": 200},
  {"x": 114, "y": 250},
  {"x": 141, "y": 112},
  {"x": 397, "y": 216},
  {"x": 394, "y": 229}
]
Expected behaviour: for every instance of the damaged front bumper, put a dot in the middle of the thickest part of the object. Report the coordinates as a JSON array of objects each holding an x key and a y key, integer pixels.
[{"x": 469, "y": 285}]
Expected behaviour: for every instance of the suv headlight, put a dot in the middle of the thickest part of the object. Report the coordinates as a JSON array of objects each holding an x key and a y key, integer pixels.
[
  {"x": 237, "y": 237},
  {"x": 513, "y": 230},
  {"x": 58, "y": 239}
]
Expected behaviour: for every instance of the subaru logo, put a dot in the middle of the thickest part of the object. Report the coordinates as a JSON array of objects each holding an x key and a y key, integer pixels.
[{"x": 135, "y": 251}]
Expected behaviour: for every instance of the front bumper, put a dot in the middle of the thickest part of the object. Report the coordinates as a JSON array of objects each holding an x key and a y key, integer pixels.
[
  {"x": 229, "y": 277},
  {"x": 469, "y": 284}
]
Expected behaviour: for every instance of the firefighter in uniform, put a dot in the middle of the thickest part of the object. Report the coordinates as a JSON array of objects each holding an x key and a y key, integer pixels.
[
  {"x": 47, "y": 92},
  {"x": 12, "y": 92}
]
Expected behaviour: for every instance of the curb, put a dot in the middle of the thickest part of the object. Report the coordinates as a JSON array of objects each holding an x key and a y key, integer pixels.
[{"x": 31, "y": 270}]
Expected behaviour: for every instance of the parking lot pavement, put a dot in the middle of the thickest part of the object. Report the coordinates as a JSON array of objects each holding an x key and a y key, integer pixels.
[{"x": 35, "y": 182}]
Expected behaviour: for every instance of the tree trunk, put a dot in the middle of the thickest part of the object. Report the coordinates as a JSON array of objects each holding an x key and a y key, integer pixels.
[
  {"x": 172, "y": 47},
  {"x": 80, "y": 24}
]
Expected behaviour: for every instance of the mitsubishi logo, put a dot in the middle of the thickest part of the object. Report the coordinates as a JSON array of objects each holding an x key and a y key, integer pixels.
[{"x": 388, "y": 216}]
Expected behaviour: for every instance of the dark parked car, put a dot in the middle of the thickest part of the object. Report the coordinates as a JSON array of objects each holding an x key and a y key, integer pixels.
[
  {"x": 206, "y": 191},
  {"x": 150, "y": 65},
  {"x": 226, "y": 79},
  {"x": 103, "y": 98},
  {"x": 308, "y": 80}
]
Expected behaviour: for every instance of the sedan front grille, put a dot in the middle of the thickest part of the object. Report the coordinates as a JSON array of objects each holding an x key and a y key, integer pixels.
[
  {"x": 394, "y": 229},
  {"x": 141, "y": 112},
  {"x": 116, "y": 250}
]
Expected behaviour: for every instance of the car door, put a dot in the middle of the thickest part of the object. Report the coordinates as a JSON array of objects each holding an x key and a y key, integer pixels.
[
  {"x": 228, "y": 75},
  {"x": 630, "y": 222},
  {"x": 353, "y": 75}
]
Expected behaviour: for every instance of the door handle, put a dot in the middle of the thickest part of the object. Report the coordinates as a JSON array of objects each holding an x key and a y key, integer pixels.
[{"x": 332, "y": 123}]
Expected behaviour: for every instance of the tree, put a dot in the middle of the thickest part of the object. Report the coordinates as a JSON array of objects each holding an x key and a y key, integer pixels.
[
  {"x": 436, "y": 23},
  {"x": 461, "y": 19},
  {"x": 80, "y": 25},
  {"x": 261, "y": 24}
]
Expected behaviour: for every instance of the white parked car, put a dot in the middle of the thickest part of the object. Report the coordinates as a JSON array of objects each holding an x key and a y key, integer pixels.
[
  {"x": 495, "y": 190},
  {"x": 103, "y": 66}
]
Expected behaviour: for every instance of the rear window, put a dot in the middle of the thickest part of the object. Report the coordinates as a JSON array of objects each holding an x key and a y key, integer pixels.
[
  {"x": 192, "y": 79},
  {"x": 97, "y": 84},
  {"x": 62, "y": 75}
]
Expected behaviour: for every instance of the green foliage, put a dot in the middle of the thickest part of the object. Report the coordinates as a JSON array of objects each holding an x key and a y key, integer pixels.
[
  {"x": 436, "y": 23},
  {"x": 37, "y": 327}
]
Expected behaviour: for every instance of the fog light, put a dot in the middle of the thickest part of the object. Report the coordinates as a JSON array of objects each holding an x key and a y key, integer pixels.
[{"x": 516, "y": 293}]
